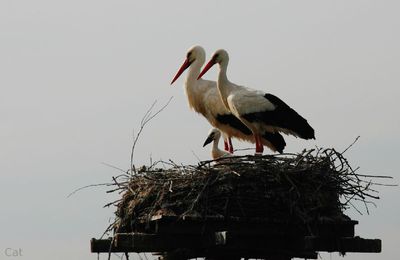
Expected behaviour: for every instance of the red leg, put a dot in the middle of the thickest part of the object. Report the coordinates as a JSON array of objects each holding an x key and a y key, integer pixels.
[
  {"x": 230, "y": 145},
  {"x": 259, "y": 145},
  {"x": 226, "y": 145}
]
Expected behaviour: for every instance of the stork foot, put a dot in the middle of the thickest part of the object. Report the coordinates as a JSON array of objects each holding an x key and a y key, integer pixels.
[
  {"x": 230, "y": 145},
  {"x": 259, "y": 145},
  {"x": 226, "y": 145}
]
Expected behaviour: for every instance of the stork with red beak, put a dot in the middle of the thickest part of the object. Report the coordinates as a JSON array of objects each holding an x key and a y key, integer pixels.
[
  {"x": 204, "y": 98},
  {"x": 261, "y": 112}
]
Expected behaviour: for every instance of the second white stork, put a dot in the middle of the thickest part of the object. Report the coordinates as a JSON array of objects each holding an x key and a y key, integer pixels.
[
  {"x": 204, "y": 98},
  {"x": 213, "y": 136},
  {"x": 259, "y": 111}
]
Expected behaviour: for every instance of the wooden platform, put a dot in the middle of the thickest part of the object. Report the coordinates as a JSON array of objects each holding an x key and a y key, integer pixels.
[{"x": 220, "y": 238}]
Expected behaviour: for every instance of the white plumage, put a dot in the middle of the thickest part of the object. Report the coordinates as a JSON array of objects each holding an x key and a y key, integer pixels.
[
  {"x": 259, "y": 111},
  {"x": 204, "y": 98}
]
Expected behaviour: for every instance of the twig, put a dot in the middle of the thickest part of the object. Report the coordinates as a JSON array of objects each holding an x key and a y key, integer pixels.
[
  {"x": 87, "y": 186},
  {"x": 348, "y": 147},
  {"x": 114, "y": 167},
  {"x": 148, "y": 116}
]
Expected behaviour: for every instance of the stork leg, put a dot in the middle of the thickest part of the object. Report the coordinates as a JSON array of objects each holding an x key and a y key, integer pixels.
[
  {"x": 259, "y": 144},
  {"x": 230, "y": 145},
  {"x": 226, "y": 145}
]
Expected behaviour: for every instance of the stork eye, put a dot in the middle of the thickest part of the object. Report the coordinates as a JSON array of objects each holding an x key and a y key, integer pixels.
[{"x": 189, "y": 54}]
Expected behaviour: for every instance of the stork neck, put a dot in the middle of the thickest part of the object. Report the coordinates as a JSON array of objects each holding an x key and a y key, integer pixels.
[
  {"x": 215, "y": 144},
  {"x": 191, "y": 84},
  {"x": 223, "y": 68},
  {"x": 224, "y": 86},
  {"x": 194, "y": 71},
  {"x": 194, "y": 89}
]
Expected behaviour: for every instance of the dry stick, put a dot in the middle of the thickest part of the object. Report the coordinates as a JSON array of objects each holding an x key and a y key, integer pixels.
[
  {"x": 116, "y": 182},
  {"x": 367, "y": 201},
  {"x": 376, "y": 176},
  {"x": 354, "y": 207},
  {"x": 110, "y": 248},
  {"x": 146, "y": 119},
  {"x": 114, "y": 167},
  {"x": 356, "y": 176},
  {"x": 381, "y": 184},
  {"x": 142, "y": 124},
  {"x": 345, "y": 150},
  {"x": 148, "y": 116},
  {"x": 87, "y": 186},
  {"x": 107, "y": 230}
]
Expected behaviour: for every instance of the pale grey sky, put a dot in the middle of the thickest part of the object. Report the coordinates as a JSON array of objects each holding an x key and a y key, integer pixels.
[{"x": 77, "y": 76}]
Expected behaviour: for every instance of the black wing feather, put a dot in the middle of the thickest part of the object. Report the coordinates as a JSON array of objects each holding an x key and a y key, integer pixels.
[
  {"x": 284, "y": 117},
  {"x": 276, "y": 139},
  {"x": 233, "y": 121}
]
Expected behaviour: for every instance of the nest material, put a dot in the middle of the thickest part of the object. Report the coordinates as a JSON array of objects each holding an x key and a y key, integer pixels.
[{"x": 290, "y": 187}]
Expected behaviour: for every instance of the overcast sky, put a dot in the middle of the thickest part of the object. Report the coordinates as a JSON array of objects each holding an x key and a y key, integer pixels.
[{"x": 76, "y": 77}]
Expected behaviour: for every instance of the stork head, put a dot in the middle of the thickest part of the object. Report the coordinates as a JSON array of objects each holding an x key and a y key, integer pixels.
[
  {"x": 220, "y": 56},
  {"x": 214, "y": 134},
  {"x": 194, "y": 54}
]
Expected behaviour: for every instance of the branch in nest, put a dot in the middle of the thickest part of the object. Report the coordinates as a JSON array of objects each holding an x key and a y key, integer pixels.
[{"x": 148, "y": 116}]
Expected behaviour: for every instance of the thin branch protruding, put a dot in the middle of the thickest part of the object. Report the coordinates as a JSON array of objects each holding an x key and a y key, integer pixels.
[{"x": 148, "y": 116}]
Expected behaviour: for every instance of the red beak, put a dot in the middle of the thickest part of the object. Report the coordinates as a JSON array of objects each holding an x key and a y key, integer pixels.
[
  {"x": 184, "y": 66},
  {"x": 206, "y": 68}
]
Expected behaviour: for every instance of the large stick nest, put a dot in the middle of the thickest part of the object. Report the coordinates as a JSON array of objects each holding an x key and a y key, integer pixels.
[{"x": 291, "y": 187}]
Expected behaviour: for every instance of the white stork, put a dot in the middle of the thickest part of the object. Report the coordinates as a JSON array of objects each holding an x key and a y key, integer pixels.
[
  {"x": 259, "y": 111},
  {"x": 213, "y": 136},
  {"x": 204, "y": 98}
]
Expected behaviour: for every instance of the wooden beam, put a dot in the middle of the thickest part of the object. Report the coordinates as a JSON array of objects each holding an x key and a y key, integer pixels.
[
  {"x": 215, "y": 245},
  {"x": 252, "y": 226},
  {"x": 101, "y": 245},
  {"x": 258, "y": 246},
  {"x": 223, "y": 243},
  {"x": 139, "y": 242},
  {"x": 343, "y": 244}
]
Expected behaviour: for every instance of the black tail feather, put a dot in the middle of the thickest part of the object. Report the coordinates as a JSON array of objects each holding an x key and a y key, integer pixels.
[{"x": 276, "y": 139}]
